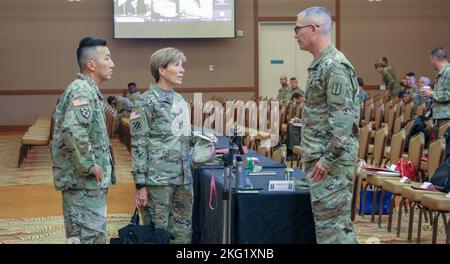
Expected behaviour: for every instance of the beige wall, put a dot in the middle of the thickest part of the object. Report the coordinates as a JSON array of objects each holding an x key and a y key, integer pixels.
[{"x": 39, "y": 39}]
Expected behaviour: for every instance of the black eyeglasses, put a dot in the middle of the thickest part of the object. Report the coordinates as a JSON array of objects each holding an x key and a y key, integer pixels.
[{"x": 297, "y": 28}]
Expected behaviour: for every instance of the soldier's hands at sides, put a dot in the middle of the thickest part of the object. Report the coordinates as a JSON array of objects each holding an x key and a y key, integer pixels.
[
  {"x": 141, "y": 197},
  {"x": 319, "y": 172},
  {"x": 97, "y": 171}
]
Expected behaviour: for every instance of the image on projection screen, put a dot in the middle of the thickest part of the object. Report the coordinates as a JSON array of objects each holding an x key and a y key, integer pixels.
[{"x": 174, "y": 19}]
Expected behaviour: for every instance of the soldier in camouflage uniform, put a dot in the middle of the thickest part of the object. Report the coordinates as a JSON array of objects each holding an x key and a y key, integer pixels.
[
  {"x": 82, "y": 163},
  {"x": 133, "y": 93},
  {"x": 388, "y": 76},
  {"x": 162, "y": 154},
  {"x": 329, "y": 142},
  {"x": 441, "y": 90},
  {"x": 293, "y": 88},
  {"x": 284, "y": 87}
]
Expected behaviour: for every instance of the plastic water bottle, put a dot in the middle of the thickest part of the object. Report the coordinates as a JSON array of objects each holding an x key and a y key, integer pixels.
[{"x": 241, "y": 175}]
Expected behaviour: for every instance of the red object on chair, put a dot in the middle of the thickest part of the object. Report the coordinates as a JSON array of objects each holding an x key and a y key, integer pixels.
[{"x": 406, "y": 168}]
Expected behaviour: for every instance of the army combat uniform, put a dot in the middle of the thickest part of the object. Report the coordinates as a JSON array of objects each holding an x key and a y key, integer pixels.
[
  {"x": 162, "y": 160},
  {"x": 441, "y": 97},
  {"x": 133, "y": 96},
  {"x": 330, "y": 135},
  {"x": 390, "y": 81},
  {"x": 80, "y": 140},
  {"x": 282, "y": 93}
]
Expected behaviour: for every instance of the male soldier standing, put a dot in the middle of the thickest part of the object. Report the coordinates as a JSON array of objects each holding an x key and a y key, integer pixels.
[
  {"x": 329, "y": 140},
  {"x": 82, "y": 163},
  {"x": 388, "y": 76},
  {"x": 284, "y": 87},
  {"x": 441, "y": 91}
]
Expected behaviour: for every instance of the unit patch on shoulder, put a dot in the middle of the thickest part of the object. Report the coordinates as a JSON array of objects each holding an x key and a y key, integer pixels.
[{"x": 85, "y": 112}]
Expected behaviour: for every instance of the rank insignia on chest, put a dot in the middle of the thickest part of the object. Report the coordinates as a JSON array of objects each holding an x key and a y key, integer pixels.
[
  {"x": 80, "y": 102},
  {"x": 135, "y": 115},
  {"x": 85, "y": 112}
]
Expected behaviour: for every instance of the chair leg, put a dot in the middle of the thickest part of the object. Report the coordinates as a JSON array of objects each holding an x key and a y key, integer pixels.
[
  {"x": 419, "y": 225},
  {"x": 399, "y": 217},
  {"x": 389, "y": 227},
  {"x": 435, "y": 227},
  {"x": 447, "y": 234},
  {"x": 380, "y": 212},
  {"x": 411, "y": 221},
  {"x": 430, "y": 214},
  {"x": 363, "y": 209},
  {"x": 374, "y": 204}
]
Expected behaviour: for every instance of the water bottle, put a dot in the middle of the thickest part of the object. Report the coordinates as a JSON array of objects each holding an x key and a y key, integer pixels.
[{"x": 241, "y": 175}]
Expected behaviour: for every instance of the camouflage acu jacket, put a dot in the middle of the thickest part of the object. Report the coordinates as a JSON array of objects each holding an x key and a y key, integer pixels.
[
  {"x": 331, "y": 110},
  {"x": 159, "y": 155},
  {"x": 441, "y": 94},
  {"x": 80, "y": 138},
  {"x": 390, "y": 81}
]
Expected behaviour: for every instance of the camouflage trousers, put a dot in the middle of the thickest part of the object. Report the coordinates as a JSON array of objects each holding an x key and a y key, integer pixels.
[
  {"x": 170, "y": 207},
  {"x": 331, "y": 205},
  {"x": 85, "y": 215}
]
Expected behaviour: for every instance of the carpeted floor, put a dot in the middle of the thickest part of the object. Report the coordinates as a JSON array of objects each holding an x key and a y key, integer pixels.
[
  {"x": 36, "y": 169},
  {"x": 37, "y": 166},
  {"x": 48, "y": 229}
]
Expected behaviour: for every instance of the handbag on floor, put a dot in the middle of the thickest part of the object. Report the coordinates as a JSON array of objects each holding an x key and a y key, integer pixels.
[{"x": 134, "y": 233}]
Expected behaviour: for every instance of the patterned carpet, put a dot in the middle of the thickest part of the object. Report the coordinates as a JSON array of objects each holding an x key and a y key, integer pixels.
[
  {"x": 37, "y": 166},
  {"x": 48, "y": 229},
  {"x": 36, "y": 169}
]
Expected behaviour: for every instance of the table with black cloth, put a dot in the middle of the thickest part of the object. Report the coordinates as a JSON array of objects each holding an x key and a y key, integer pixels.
[{"x": 267, "y": 217}]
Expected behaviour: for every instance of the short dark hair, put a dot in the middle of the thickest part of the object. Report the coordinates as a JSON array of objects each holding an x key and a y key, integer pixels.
[
  {"x": 111, "y": 99},
  {"x": 402, "y": 94},
  {"x": 131, "y": 84},
  {"x": 360, "y": 81},
  {"x": 293, "y": 79},
  {"x": 296, "y": 95},
  {"x": 411, "y": 74},
  {"x": 439, "y": 53},
  {"x": 85, "y": 45}
]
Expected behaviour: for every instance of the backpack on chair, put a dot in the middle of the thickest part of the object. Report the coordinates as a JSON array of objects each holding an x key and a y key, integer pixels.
[{"x": 417, "y": 127}]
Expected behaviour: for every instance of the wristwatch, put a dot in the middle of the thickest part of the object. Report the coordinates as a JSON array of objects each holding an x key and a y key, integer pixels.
[{"x": 140, "y": 186}]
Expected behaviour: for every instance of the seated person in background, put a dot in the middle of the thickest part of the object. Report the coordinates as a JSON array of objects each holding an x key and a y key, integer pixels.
[
  {"x": 123, "y": 106},
  {"x": 294, "y": 129},
  {"x": 404, "y": 84},
  {"x": 415, "y": 91},
  {"x": 133, "y": 92},
  {"x": 363, "y": 95},
  {"x": 284, "y": 88},
  {"x": 424, "y": 83},
  {"x": 293, "y": 89}
]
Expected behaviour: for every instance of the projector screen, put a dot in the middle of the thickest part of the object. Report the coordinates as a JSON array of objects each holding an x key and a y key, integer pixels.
[{"x": 174, "y": 19}]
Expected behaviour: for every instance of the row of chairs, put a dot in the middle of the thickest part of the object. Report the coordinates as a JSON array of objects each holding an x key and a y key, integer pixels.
[{"x": 37, "y": 134}]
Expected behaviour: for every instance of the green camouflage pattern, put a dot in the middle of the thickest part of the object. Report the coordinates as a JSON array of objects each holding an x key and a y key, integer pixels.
[
  {"x": 80, "y": 138},
  {"x": 282, "y": 93},
  {"x": 441, "y": 94},
  {"x": 390, "y": 81},
  {"x": 85, "y": 215},
  {"x": 290, "y": 92},
  {"x": 170, "y": 207},
  {"x": 133, "y": 97},
  {"x": 159, "y": 156}
]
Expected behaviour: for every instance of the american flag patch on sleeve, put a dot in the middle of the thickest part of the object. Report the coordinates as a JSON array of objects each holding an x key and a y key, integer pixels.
[
  {"x": 79, "y": 102},
  {"x": 135, "y": 115}
]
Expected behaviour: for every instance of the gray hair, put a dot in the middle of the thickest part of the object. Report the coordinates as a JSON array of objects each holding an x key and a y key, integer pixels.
[
  {"x": 425, "y": 80},
  {"x": 163, "y": 57},
  {"x": 439, "y": 53},
  {"x": 318, "y": 15}
]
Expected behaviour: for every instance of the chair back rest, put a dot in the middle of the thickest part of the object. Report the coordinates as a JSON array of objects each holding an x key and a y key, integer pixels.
[
  {"x": 435, "y": 155},
  {"x": 378, "y": 117},
  {"x": 367, "y": 113},
  {"x": 379, "y": 146},
  {"x": 280, "y": 154},
  {"x": 397, "y": 144},
  {"x": 409, "y": 110},
  {"x": 397, "y": 124},
  {"x": 420, "y": 111},
  {"x": 364, "y": 135},
  {"x": 442, "y": 129},
  {"x": 415, "y": 150}
]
